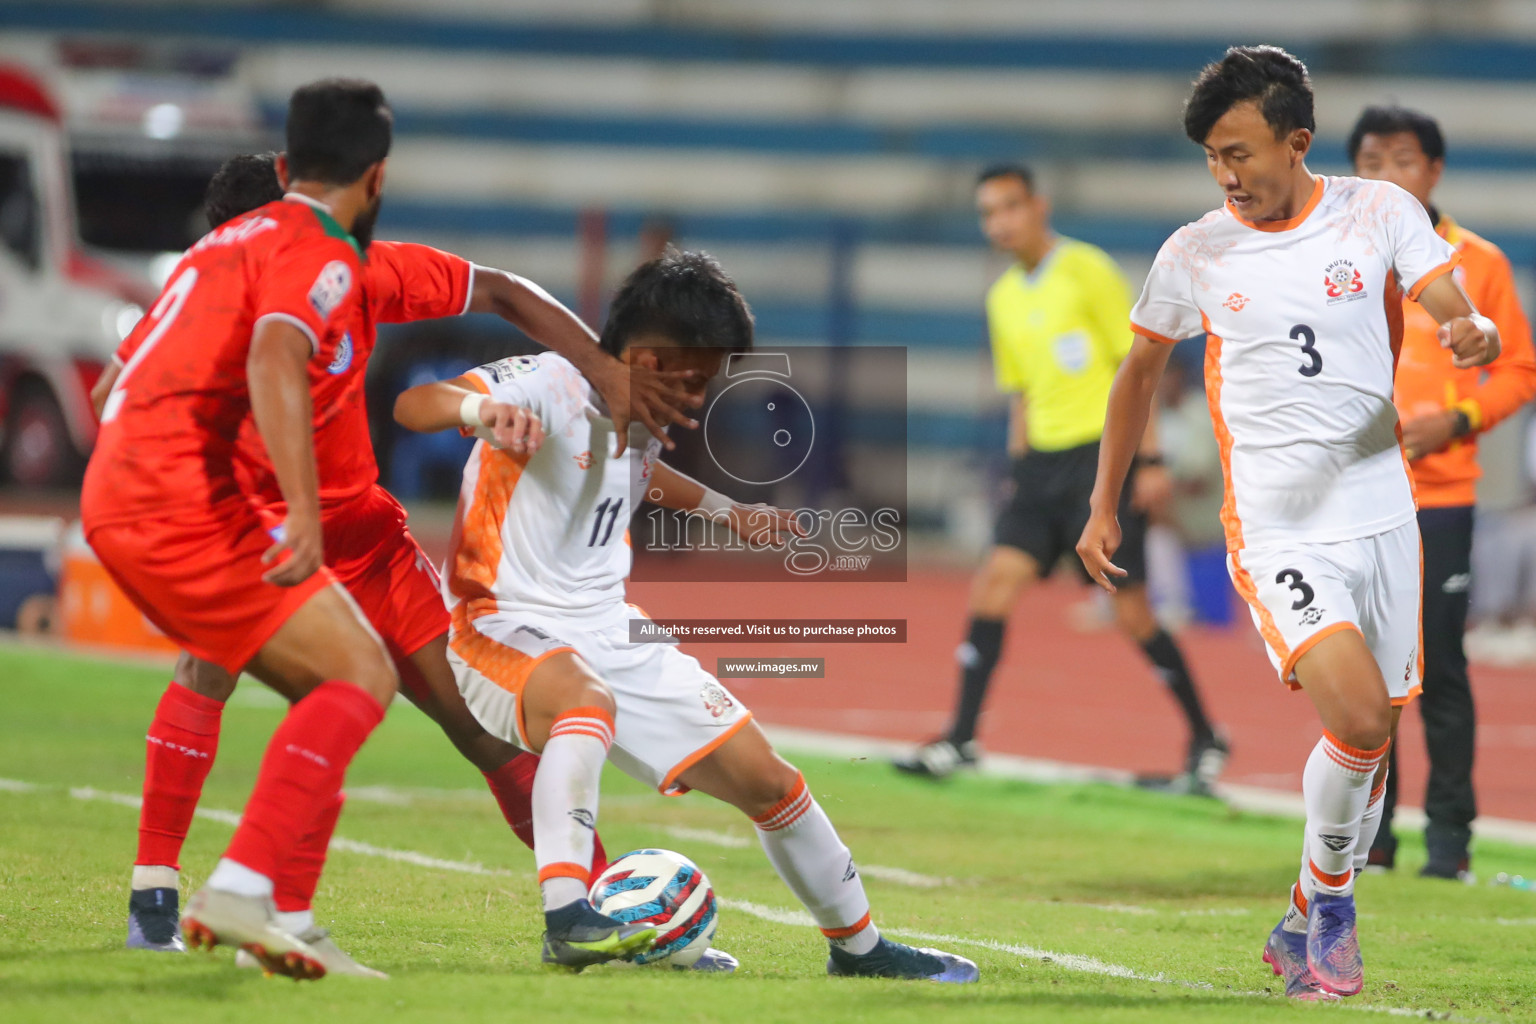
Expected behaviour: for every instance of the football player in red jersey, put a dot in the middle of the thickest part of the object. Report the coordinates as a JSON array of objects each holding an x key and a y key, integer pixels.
[
  {"x": 249, "y": 311},
  {"x": 370, "y": 550}
]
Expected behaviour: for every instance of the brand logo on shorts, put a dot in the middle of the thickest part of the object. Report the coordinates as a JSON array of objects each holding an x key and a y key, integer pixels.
[
  {"x": 1343, "y": 282},
  {"x": 1413, "y": 657},
  {"x": 1236, "y": 301},
  {"x": 584, "y": 460},
  {"x": 1312, "y": 616},
  {"x": 1456, "y": 583},
  {"x": 343, "y": 358},
  {"x": 716, "y": 701}
]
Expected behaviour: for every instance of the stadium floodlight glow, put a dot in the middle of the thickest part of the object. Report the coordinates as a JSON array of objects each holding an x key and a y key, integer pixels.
[{"x": 164, "y": 121}]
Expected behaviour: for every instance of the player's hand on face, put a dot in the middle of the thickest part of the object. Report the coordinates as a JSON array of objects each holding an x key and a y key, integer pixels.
[
  {"x": 513, "y": 427},
  {"x": 1151, "y": 489},
  {"x": 1428, "y": 433},
  {"x": 300, "y": 538},
  {"x": 763, "y": 525},
  {"x": 1473, "y": 342},
  {"x": 656, "y": 398},
  {"x": 1098, "y": 544}
]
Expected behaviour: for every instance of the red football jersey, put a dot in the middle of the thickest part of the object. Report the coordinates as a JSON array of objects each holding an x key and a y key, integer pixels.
[
  {"x": 402, "y": 282},
  {"x": 170, "y": 425}
]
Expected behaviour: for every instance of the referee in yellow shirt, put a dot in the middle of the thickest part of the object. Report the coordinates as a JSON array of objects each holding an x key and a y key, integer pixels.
[{"x": 1058, "y": 321}]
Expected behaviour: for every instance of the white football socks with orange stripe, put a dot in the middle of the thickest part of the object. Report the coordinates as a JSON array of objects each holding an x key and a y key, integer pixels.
[
  {"x": 1370, "y": 823},
  {"x": 565, "y": 790},
  {"x": 1336, "y": 786},
  {"x": 805, "y": 850}
]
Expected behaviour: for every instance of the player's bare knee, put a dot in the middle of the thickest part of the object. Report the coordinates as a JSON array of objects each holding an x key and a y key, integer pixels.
[
  {"x": 1366, "y": 725},
  {"x": 373, "y": 671}
]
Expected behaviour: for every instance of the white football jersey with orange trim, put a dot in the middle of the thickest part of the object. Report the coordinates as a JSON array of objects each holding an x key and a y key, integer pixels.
[
  {"x": 547, "y": 534},
  {"x": 1304, "y": 319}
]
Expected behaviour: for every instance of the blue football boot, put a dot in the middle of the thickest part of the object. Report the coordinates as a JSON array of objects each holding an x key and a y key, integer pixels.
[
  {"x": 1333, "y": 946},
  {"x": 893, "y": 960},
  {"x": 1286, "y": 952}
]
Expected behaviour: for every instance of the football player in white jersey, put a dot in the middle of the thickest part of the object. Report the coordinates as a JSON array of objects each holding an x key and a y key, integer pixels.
[
  {"x": 541, "y": 642},
  {"x": 1296, "y": 281}
]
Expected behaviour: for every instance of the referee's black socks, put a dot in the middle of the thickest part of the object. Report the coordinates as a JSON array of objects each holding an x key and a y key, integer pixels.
[
  {"x": 1165, "y": 656},
  {"x": 978, "y": 657}
]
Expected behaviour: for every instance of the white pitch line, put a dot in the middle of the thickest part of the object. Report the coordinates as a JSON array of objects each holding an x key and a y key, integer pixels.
[
  {"x": 776, "y": 915},
  {"x": 705, "y": 835},
  {"x": 16, "y": 786}
]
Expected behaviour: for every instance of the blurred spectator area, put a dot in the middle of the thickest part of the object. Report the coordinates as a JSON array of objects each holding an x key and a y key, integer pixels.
[{"x": 825, "y": 150}]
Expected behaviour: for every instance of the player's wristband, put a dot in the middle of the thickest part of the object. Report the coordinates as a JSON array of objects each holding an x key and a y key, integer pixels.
[
  {"x": 469, "y": 410},
  {"x": 714, "y": 504}
]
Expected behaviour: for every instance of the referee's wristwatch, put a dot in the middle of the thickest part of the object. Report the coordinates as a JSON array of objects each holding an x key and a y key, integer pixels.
[{"x": 1461, "y": 423}]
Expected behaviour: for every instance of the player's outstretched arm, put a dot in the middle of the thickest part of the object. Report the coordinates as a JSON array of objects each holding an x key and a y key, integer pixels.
[
  {"x": 454, "y": 404},
  {"x": 1125, "y": 424},
  {"x": 653, "y": 397},
  {"x": 278, "y": 374},
  {"x": 103, "y": 387},
  {"x": 758, "y": 525},
  {"x": 1472, "y": 338}
]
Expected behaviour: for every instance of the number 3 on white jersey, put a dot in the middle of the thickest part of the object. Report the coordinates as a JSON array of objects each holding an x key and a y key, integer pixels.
[{"x": 164, "y": 312}]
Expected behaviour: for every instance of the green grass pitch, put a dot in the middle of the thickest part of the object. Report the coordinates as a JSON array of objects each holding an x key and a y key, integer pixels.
[{"x": 1079, "y": 902}]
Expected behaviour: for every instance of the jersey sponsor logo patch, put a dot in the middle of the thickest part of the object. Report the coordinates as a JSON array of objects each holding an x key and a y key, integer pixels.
[
  {"x": 1312, "y": 616},
  {"x": 1236, "y": 301},
  {"x": 330, "y": 288},
  {"x": 1343, "y": 282},
  {"x": 503, "y": 370},
  {"x": 584, "y": 460},
  {"x": 343, "y": 357}
]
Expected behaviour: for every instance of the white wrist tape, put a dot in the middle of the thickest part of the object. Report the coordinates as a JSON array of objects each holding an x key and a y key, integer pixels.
[
  {"x": 469, "y": 410},
  {"x": 1487, "y": 326},
  {"x": 714, "y": 504}
]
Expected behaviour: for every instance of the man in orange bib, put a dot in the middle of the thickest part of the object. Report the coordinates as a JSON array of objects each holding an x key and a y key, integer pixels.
[{"x": 1443, "y": 409}]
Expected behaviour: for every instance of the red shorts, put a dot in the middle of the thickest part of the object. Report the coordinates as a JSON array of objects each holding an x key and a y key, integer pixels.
[
  {"x": 198, "y": 578},
  {"x": 373, "y": 554}
]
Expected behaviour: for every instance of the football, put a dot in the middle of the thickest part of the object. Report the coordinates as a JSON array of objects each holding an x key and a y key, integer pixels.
[{"x": 665, "y": 889}]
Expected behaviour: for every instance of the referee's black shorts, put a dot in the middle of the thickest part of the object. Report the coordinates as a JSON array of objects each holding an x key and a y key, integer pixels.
[{"x": 1048, "y": 508}]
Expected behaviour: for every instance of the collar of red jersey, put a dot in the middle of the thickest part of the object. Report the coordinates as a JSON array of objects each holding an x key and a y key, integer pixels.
[{"x": 299, "y": 197}]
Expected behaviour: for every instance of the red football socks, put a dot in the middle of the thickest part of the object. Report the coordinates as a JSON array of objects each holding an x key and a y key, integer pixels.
[
  {"x": 182, "y": 742},
  {"x": 294, "y": 886},
  {"x": 302, "y": 773}
]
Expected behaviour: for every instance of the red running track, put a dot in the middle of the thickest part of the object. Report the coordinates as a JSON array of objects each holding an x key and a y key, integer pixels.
[{"x": 1065, "y": 695}]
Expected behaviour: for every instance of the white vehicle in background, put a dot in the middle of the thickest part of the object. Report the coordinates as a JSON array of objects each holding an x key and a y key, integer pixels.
[{"x": 102, "y": 172}]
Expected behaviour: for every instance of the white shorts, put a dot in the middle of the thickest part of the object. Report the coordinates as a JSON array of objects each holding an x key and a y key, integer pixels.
[
  {"x": 1300, "y": 593},
  {"x": 670, "y": 712}
]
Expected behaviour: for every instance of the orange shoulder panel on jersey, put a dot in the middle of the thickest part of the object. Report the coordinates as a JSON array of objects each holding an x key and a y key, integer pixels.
[{"x": 407, "y": 282}]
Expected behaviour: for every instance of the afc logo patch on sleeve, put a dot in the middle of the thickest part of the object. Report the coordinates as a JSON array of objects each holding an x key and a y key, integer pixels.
[
  {"x": 503, "y": 370},
  {"x": 330, "y": 287}
]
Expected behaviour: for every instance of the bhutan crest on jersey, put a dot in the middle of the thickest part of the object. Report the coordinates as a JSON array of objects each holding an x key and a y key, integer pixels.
[{"x": 1343, "y": 282}]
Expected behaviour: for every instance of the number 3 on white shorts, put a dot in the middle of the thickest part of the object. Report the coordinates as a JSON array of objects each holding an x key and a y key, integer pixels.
[{"x": 164, "y": 313}]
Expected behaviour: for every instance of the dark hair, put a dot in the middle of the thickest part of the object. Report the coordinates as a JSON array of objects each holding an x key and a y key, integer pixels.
[
  {"x": 1267, "y": 74},
  {"x": 240, "y": 186},
  {"x": 337, "y": 129},
  {"x": 683, "y": 296},
  {"x": 1391, "y": 121},
  {"x": 1007, "y": 170}
]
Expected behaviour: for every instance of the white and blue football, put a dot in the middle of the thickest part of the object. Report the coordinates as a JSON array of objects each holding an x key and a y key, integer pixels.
[{"x": 665, "y": 889}]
